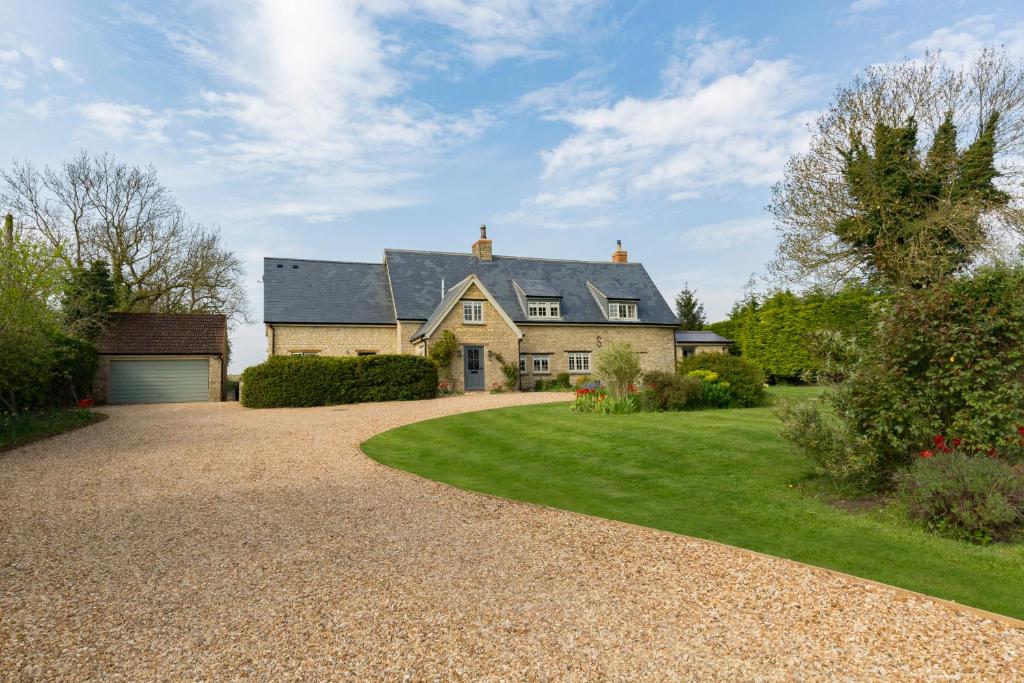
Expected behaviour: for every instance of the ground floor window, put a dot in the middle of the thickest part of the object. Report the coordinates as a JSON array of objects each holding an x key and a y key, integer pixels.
[
  {"x": 366, "y": 353},
  {"x": 541, "y": 365},
  {"x": 689, "y": 351},
  {"x": 579, "y": 361},
  {"x": 305, "y": 353},
  {"x": 522, "y": 364}
]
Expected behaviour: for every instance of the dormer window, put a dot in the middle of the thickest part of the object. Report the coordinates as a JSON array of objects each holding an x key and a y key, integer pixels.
[
  {"x": 543, "y": 310},
  {"x": 621, "y": 310}
]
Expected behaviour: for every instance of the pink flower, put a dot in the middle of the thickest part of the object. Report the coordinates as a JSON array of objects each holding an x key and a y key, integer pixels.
[{"x": 927, "y": 454}]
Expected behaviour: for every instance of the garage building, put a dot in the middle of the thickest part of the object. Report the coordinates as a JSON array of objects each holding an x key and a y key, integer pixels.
[{"x": 162, "y": 358}]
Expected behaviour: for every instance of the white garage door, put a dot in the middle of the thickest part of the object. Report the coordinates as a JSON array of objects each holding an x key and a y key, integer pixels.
[{"x": 158, "y": 381}]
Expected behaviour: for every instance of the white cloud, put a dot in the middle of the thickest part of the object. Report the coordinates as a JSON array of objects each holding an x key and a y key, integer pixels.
[
  {"x": 959, "y": 43},
  {"x": 727, "y": 234},
  {"x": 583, "y": 89},
  {"x": 22, "y": 63},
  {"x": 594, "y": 195},
  {"x": 122, "y": 122},
  {"x": 867, "y": 5}
]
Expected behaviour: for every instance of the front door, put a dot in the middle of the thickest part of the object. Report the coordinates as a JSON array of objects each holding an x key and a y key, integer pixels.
[{"x": 474, "y": 367}]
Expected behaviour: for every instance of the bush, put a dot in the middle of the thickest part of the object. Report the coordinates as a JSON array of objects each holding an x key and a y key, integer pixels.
[
  {"x": 442, "y": 353},
  {"x": 964, "y": 496},
  {"x": 618, "y": 365},
  {"x": 842, "y": 457},
  {"x": 73, "y": 369},
  {"x": 668, "y": 391},
  {"x": 745, "y": 380},
  {"x": 562, "y": 380},
  {"x": 300, "y": 381}
]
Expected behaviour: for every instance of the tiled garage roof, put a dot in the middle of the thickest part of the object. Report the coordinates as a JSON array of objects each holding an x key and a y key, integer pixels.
[{"x": 165, "y": 333}]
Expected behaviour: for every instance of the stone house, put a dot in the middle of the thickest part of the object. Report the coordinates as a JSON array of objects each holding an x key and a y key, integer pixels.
[
  {"x": 549, "y": 316},
  {"x": 693, "y": 343}
]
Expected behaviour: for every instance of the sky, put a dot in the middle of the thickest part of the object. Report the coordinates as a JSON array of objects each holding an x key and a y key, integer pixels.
[{"x": 332, "y": 130}]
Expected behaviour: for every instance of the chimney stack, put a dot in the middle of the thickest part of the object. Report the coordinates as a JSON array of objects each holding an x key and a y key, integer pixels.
[
  {"x": 482, "y": 247},
  {"x": 620, "y": 255}
]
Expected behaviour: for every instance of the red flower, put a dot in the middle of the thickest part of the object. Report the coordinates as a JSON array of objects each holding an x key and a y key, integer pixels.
[
  {"x": 927, "y": 454},
  {"x": 956, "y": 443},
  {"x": 1020, "y": 430},
  {"x": 991, "y": 452},
  {"x": 940, "y": 443}
]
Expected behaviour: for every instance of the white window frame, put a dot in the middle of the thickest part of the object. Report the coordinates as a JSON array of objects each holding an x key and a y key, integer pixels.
[
  {"x": 542, "y": 364},
  {"x": 473, "y": 312},
  {"x": 622, "y": 310},
  {"x": 578, "y": 362},
  {"x": 522, "y": 364},
  {"x": 542, "y": 309}
]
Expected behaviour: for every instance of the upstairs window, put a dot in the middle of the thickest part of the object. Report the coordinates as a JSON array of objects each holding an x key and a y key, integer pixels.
[
  {"x": 544, "y": 309},
  {"x": 472, "y": 312},
  {"x": 620, "y": 310}
]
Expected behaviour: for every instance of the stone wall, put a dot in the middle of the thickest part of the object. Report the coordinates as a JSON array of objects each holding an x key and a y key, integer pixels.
[
  {"x": 494, "y": 334},
  {"x": 330, "y": 340},
  {"x": 656, "y": 346}
]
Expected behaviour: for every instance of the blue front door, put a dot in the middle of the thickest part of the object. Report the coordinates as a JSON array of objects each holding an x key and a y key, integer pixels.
[{"x": 473, "y": 360}]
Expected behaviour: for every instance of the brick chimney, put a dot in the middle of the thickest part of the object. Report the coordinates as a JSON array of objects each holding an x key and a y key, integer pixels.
[
  {"x": 620, "y": 255},
  {"x": 482, "y": 247}
]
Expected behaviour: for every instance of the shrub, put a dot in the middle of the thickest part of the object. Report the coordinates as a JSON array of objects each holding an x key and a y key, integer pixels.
[
  {"x": 299, "y": 381},
  {"x": 442, "y": 353},
  {"x": 73, "y": 369},
  {"x": 745, "y": 380},
  {"x": 668, "y": 390},
  {"x": 842, "y": 457},
  {"x": 619, "y": 366},
  {"x": 584, "y": 382},
  {"x": 539, "y": 385},
  {"x": 562, "y": 380},
  {"x": 964, "y": 496}
]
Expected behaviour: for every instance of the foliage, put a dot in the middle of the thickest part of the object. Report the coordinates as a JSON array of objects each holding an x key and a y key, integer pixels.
[
  {"x": 745, "y": 381},
  {"x": 777, "y": 332},
  {"x": 30, "y": 426},
  {"x": 690, "y": 310},
  {"x": 87, "y": 298},
  {"x": 869, "y": 201},
  {"x": 94, "y": 207},
  {"x": 511, "y": 372},
  {"x": 618, "y": 365},
  {"x": 442, "y": 353},
  {"x": 599, "y": 402},
  {"x": 498, "y": 388},
  {"x": 713, "y": 392},
  {"x": 29, "y": 280},
  {"x": 965, "y": 496},
  {"x": 668, "y": 390},
  {"x": 73, "y": 369},
  {"x": 298, "y": 381},
  {"x": 835, "y": 452}
]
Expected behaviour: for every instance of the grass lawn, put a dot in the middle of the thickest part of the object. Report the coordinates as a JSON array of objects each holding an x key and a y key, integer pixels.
[
  {"x": 724, "y": 475},
  {"x": 28, "y": 427}
]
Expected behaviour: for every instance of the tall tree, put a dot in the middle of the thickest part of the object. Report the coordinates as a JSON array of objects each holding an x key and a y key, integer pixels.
[
  {"x": 690, "y": 310},
  {"x": 910, "y": 174},
  {"x": 87, "y": 299},
  {"x": 96, "y": 208}
]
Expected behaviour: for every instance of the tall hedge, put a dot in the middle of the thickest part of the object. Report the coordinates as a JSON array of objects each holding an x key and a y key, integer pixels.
[
  {"x": 774, "y": 332},
  {"x": 302, "y": 381}
]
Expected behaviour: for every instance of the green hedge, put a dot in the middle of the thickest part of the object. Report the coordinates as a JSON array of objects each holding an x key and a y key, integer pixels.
[
  {"x": 301, "y": 381},
  {"x": 746, "y": 380}
]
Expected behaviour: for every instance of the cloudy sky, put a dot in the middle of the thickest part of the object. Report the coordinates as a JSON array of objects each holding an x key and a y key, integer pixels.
[{"x": 332, "y": 130}]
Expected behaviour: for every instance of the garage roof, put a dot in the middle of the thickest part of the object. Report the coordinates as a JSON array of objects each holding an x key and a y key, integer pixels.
[{"x": 164, "y": 334}]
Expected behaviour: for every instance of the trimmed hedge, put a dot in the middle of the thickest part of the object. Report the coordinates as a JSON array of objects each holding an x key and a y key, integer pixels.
[
  {"x": 303, "y": 381},
  {"x": 746, "y": 380}
]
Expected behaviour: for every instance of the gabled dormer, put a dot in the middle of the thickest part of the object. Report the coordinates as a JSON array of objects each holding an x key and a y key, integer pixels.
[
  {"x": 539, "y": 300},
  {"x": 617, "y": 304}
]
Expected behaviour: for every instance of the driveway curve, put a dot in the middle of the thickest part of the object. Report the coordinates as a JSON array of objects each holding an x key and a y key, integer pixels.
[{"x": 207, "y": 541}]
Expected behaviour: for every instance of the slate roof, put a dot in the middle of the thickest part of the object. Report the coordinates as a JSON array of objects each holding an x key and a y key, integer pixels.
[
  {"x": 416, "y": 281},
  {"x": 700, "y": 337},
  {"x": 303, "y": 291},
  {"x": 164, "y": 334}
]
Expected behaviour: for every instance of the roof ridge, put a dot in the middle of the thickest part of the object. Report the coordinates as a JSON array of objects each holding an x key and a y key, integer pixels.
[
  {"x": 322, "y": 260},
  {"x": 518, "y": 258}
]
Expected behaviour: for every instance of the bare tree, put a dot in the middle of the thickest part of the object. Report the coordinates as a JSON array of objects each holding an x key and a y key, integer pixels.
[
  {"x": 814, "y": 196},
  {"x": 96, "y": 208}
]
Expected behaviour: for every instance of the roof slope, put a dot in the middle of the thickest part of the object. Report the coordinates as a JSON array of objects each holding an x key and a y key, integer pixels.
[
  {"x": 700, "y": 337},
  {"x": 164, "y": 333},
  {"x": 331, "y": 292},
  {"x": 416, "y": 282}
]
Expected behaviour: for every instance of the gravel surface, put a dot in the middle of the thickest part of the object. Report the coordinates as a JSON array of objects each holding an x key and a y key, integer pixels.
[{"x": 207, "y": 541}]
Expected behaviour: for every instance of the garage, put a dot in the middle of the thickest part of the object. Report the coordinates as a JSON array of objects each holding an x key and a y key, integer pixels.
[
  {"x": 161, "y": 358},
  {"x": 158, "y": 381}
]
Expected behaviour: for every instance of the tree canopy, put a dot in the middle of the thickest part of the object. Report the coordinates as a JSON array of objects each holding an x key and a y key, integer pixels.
[{"x": 690, "y": 310}]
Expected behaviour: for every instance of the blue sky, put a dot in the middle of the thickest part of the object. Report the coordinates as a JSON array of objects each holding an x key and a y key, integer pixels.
[{"x": 335, "y": 129}]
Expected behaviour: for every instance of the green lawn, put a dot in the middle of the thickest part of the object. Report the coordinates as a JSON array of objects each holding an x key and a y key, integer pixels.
[
  {"x": 724, "y": 475},
  {"x": 28, "y": 427}
]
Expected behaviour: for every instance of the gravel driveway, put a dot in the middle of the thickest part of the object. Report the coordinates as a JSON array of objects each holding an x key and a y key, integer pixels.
[{"x": 207, "y": 541}]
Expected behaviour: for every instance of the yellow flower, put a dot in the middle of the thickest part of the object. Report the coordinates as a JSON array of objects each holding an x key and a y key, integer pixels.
[{"x": 952, "y": 359}]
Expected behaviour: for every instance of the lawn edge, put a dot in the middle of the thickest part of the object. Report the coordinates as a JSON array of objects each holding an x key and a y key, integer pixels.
[
  {"x": 96, "y": 419},
  {"x": 1004, "y": 619}
]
